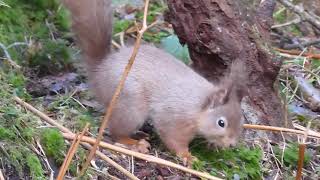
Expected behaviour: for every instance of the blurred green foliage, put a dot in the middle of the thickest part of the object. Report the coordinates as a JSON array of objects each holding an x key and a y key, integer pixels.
[
  {"x": 42, "y": 24},
  {"x": 242, "y": 162}
]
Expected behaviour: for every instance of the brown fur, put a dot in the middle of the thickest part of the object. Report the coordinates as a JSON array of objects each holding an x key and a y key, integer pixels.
[{"x": 180, "y": 102}]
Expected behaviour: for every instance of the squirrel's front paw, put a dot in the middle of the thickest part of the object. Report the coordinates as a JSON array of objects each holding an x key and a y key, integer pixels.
[
  {"x": 187, "y": 158},
  {"x": 141, "y": 146}
]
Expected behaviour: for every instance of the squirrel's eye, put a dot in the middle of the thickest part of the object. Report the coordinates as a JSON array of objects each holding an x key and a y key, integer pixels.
[{"x": 221, "y": 122}]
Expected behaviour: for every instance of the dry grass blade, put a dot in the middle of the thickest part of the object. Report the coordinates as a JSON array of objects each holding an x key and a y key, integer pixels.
[
  {"x": 310, "y": 132},
  {"x": 71, "y": 152},
  {"x": 295, "y": 52},
  {"x": 66, "y": 130},
  {"x": 118, "y": 89},
  {"x": 312, "y": 19},
  {"x": 41, "y": 115},
  {"x": 279, "y": 129}
]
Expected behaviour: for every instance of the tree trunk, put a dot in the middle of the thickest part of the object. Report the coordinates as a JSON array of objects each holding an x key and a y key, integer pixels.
[{"x": 218, "y": 32}]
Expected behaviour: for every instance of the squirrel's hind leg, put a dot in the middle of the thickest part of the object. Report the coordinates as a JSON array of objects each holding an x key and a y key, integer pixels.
[{"x": 125, "y": 120}]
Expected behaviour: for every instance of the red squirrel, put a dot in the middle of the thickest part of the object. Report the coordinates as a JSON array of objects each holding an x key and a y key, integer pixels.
[{"x": 180, "y": 102}]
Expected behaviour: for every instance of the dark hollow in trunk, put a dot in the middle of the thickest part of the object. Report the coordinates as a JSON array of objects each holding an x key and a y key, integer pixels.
[{"x": 218, "y": 32}]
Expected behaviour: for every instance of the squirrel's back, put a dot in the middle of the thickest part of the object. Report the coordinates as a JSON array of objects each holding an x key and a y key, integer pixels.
[
  {"x": 164, "y": 80},
  {"x": 92, "y": 24}
]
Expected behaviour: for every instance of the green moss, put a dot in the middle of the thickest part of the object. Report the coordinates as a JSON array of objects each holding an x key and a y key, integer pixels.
[
  {"x": 35, "y": 167},
  {"x": 31, "y": 20},
  {"x": 53, "y": 144},
  {"x": 50, "y": 56},
  {"x": 82, "y": 120},
  {"x": 6, "y": 134},
  {"x": 291, "y": 155},
  {"x": 295, "y": 30},
  {"x": 16, "y": 79},
  {"x": 121, "y": 25},
  {"x": 154, "y": 37},
  {"x": 27, "y": 133},
  {"x": 241, "y": 161},
  {"x": 16, "y": 158},
  {"x": 280, "y": 16},
  {"x": 155, "y": 8}
]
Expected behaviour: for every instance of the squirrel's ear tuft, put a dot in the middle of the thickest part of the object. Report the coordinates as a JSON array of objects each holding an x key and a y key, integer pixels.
[
  {"x": 222, "y": 96},
  {"x": 216, "y": 98},
  {"x": 237, "y": 80}
]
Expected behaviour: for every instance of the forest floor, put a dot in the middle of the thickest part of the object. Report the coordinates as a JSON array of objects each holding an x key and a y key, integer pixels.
[{"x": 40, "y": 63}]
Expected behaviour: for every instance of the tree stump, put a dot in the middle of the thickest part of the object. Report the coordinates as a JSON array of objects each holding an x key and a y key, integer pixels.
[{"x": 218, "y": 32}]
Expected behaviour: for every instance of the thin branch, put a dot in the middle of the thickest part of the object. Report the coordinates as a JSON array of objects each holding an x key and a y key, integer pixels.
[
  {"x": 63, "y": 168},
  {"x": 115, "y": 44},
  {"x": 302, "y": 148},
  {"x": 310, "y": 132},
  {"x": 303, "y": 44},
  {"x": 8, "y": 56},
  {"x": 280, "y": 129},
  {"x": 303, "y": 14},
  {"x": 295, "y": 21},
  {"x": 294, "y": 52},
  {"x": 66, "y": 130},
  {"x": 41, "y": 115},
  {"x": 5, "y": 50},
  {"x": 118, "y": 90},
  {"x": 17, "y": 44},
  {"x": 45, "y": 159},
  {"x": 71, "y": 152},
  {"x": 111, "y": 162}
]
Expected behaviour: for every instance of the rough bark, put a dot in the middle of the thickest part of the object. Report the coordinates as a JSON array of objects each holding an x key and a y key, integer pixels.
[{"x": 218, "y": 32}]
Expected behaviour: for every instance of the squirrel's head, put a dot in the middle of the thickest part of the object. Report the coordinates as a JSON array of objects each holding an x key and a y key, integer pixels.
[{"x": 222, "y": 119}]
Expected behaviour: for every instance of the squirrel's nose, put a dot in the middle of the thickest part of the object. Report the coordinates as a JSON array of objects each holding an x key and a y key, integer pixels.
[{"x": 230, "y": 142}]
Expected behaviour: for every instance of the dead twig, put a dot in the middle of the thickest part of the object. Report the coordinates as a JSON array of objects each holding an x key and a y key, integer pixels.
[
  {"x": 302, "y": 13},
  {"x": 71, "y": 152},
  {"x": 295, "y": 21},
  {"x": 303, "y": 44},
  {"x": 302, "y": 147},
  {"x": 45, "y": 159},
  {"x": 309, "y": 93},
  {"x": 7, "y": 54},
  {"x": 294, "y": 52},
  {"x": 311, "y": 134},
  {"x": 118, "y": 89},
  {"x": 297, "y": 126},
  {"x": 66, "y": 130},
  {"x": 115, "y": 44},
  {"x": 5, "y": 50}
]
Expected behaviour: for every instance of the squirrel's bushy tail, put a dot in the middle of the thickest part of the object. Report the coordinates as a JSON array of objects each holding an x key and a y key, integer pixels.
[{"x": 92, "y": 24}]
